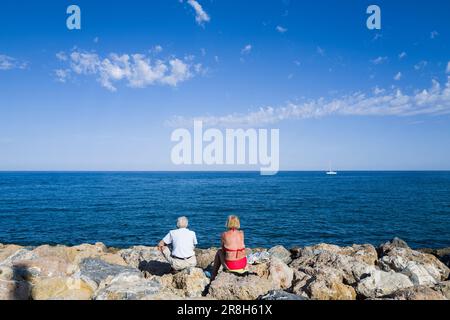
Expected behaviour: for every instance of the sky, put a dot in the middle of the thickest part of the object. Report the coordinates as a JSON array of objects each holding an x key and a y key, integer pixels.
[{"x": 108, "y": 96}]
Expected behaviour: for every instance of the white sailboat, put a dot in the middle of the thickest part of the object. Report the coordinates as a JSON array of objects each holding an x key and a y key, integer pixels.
[{"x": 331, "y": 172}]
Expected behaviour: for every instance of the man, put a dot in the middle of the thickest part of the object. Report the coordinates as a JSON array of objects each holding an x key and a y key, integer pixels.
[{"x": 183, "y": 242}]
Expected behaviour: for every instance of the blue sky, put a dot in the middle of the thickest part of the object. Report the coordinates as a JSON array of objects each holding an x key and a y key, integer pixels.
[{"x": 108, "y": 96}]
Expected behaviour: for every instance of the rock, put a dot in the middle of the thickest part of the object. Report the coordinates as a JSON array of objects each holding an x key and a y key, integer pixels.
[
  {"x": 6, "y": 273},
  {"x": 231, "y": 287},
  {"x": 8, "y": 250},
  {"x": 394, "y": 243},
  {"x": 350, "y": 268},
  {"x": 296, "y": 252},
  {"x": 423, "y": 268},
  {"x": 14, "y": 290},
  {"x": 128, "y": 287},
  {"x": 324, "y": 285},
  {"x": 98, "y": 250},
  {"x": 191, "y": 281},
  {"x": 417, "y": 293},
  {"x": 147, "y": 259},
  {"x": 327, "y": 289},
  {"x": 205, "y": 257},
  {"x": 280, "y": 274},
  {"x": 280, "y": 253},
  {"x": 280, "y": 295},
  {"x": 61, "y": 288},
  {"x": 382, "y": 283},
  {"x": 94, "y": 271},
  {"x": 444, "y": 288}
]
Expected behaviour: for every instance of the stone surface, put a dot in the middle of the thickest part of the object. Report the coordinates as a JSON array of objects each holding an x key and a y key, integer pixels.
[
  {"x": 280, "y": 275},
  {"x": 281, "y": 295},
  {"x": 444, "y": 288},
  {"x": 205, "y": 257},
  {"x": 230, "y": 287},
  {"x": 147, "y": 259},
  {"x": 417, "y": 293},
  {"x": 127, "y": 286},
  {"x": 94, "y": 271},
  {"x": 280, "y": 253},
  {"x": 382, "y": 283},
  {"x": 422, "y": 268},
  {"x": 61, "y": 288},
  {"x": 14, "y": 290},
  {"x": 191, "y": 281}
]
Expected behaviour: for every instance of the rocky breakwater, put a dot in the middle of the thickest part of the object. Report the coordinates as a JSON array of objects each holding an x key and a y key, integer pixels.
[{"x": 323, "y": 271}]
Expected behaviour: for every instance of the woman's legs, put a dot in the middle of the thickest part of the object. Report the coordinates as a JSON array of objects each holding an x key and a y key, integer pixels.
[{"x": 218, "y": 261}]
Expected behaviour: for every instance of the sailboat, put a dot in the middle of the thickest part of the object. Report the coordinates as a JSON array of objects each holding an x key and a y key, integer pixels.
[{"x": 330, "y": 172}]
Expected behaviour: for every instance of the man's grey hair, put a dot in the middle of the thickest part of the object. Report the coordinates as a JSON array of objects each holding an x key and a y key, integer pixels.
[{"x": 182, "y": 222}]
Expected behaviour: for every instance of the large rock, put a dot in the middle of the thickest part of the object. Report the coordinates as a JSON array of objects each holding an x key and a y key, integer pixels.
[
  {"x": 280, "y": 295},
  {"x": 280, "y": 274},
  {"x": 230, "y": 287},
  {"x": 382, "y": 283},
  {"x": 422, "y": 268},
  {"x": 61, "y": 288},
  {"x": 323, "y": 285},
  {"x": 8, "y": 250},
  {"x": 205, "y": 257},
  {"x": 14, "y": 290},
  {"x": 191, "y": 281},
  {"x": 444, "y": 288},
  {"x": 417, "y": 293},
  {"x": 127, "y": 286},
  {"x": 94, "y": 271},
  {"x": 147, "y": 259},
  {"x": 313, "y": 261},
  {"x": 280, "y": 253}
]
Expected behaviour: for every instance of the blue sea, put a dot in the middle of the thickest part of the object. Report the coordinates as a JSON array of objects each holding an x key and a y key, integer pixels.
[{"x": 123, "y": 209}]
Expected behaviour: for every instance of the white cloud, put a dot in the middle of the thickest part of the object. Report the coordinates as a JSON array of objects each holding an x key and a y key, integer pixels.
[
  {"x": 136, "y": 70},
  {"x": 422, "y": 64},
  {"x": 96, "y": 39},
  {"x": 432, "y": 101},
  {"x": 398, "y": 76},
  {"x": 448, "y": 67},
  {"x": 157, "y": 49},
  {"x": 61, "y": 56},
  {"x": 377, "y": 91},
  {"x": 247, "y": 49},
  {"x": 280, "y": 29},
  {"x": 9, "y": 63},
  {"x": 434, "y": 34},
  {"x": 200, "y": 15},
  {"x": 379, "y": 60},
  {"x": 402, "y": 55}
]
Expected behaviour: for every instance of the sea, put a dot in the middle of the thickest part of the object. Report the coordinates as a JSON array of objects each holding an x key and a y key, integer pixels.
[{"x": 122, "y": 209}]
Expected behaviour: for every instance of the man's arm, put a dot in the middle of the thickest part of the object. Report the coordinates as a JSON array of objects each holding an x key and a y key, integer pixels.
[{"x": 165, "y": 241}]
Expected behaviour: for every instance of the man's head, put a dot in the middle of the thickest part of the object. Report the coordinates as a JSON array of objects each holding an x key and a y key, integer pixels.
[{"x": 182, "y": 222}]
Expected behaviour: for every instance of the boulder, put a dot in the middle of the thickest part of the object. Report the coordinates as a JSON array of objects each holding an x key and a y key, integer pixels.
[
  {"x": 205, "y": 257},
  {"x": 231, "y": 287},
  {"x": 417, "y": 293},
  {"x": 126, "y": 286},
  {"x": 313, "y": 261},
  {"x": 147, "y": 259},
  {"x": 382, "y": 283},
  {"x": 422, "y": 268},
  {"x": 280, "y": 295},
  {"x": 191, "y": 281},
  {"x": 61, "y": 288},
  {"x": 280, "y": 253},
  {"x": 14, "y": 290},
  {"x": 8, "y": 250},
  {"x": 94, "y": 271},
  {"x": 444, "y": 288},
  {"x": 322, "y": 285},
  {"x": 280, "y": 275}
]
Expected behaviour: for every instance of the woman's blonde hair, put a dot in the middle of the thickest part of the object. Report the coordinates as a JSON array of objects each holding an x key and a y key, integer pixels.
[{"x": 233, "y": 222}]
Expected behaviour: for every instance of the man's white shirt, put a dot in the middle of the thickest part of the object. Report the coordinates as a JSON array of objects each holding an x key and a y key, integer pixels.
[{"x": 183, "y": 242}]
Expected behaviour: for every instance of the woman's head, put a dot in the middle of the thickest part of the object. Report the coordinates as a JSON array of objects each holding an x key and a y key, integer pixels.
[{"x": 233, "y": 222}]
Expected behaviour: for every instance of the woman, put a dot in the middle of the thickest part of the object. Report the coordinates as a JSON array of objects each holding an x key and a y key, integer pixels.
[{"x": 232, "y": 255}]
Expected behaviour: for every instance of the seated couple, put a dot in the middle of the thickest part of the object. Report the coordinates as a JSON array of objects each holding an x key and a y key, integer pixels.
[{"x": 231, "y": 256}]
